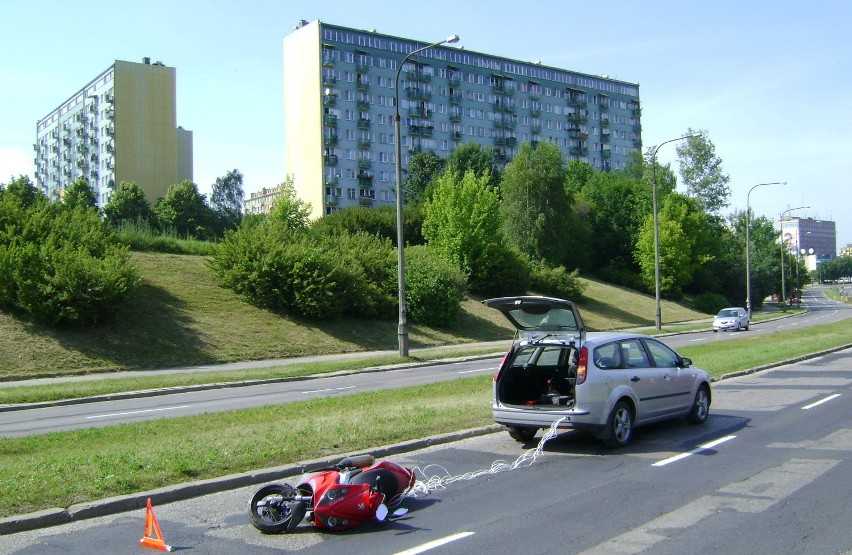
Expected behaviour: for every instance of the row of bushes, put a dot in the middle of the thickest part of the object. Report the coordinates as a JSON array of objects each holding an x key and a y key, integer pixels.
[
  {"x": 281, "y": 268},
  {"x": 59, "y": 263}
]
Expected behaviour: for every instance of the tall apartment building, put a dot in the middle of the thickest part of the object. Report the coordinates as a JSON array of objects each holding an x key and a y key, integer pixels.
[
  {"x": 339, "y": 102},
  {"x": 119, "y": 127},
  {"x": 809, "y": 237}
]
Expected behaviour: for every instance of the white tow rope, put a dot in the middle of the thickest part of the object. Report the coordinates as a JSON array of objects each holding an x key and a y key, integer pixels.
[{"x": 436, "y": 477}]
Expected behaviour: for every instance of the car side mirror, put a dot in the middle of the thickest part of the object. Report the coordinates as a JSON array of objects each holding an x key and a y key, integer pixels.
[{"x": 685, "y": 362}]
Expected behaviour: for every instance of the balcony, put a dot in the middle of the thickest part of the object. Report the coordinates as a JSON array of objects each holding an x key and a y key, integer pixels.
[
  {"x": 363, "y": 86},
  {"x": 455, "y": 98},
  {"x": 331, "y": 181},
  {"x": 499, "y": 155},
  {"x": 327, "y": 62},
  {"x": 606, "y": 154},
  {"x": 363, "y": 123},
  {"x": 605, "y": 122},
  {"x": 455, "y": 136},
  {"x": 579, "y": 151},
  {"x": 535, "y": 129},
  {"x": 499, "y": 141},
  {"x": 605, "y": 137},
  {"x": 578, "y": 119},
  {"x": 576, "y": 102},
  {"x": 364, "y": 144},
  {"x": 364, "y": 105},
  {"x": 331, "y": 200},
  {"x": 455, "y": 118},
  {"x": 365, "y": 180},
  {"x": 511, "y": 141},
  {"x": 535, "y": 112},
  {"x": 329, "y": 81},
  {"x": 455, "y": 82},
  {"x": 329, "y": 140},
  {"x": 365, "y": 164},
  {"x": 330, "y": 120},
  {"x": 330, "y": 159},
  {"x": 329, "y": 100},
  {"x": 365, "y": 201},
  {"x": 362, "y": 68}
]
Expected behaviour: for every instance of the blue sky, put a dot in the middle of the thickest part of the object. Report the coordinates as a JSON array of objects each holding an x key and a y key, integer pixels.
[{"x": 769, "y": 80}]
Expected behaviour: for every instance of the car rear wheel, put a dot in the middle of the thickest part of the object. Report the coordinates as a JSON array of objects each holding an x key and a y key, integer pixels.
[
  {"x": 619, "y": 426},
  {"x": 522, "y": 434},
  {"x": 700, "y": 407}
]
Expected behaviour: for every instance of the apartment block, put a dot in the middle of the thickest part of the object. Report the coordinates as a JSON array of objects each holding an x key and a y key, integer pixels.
[
  {"x": 121, "y": 126},
  {"x": 340, "y": 93}
]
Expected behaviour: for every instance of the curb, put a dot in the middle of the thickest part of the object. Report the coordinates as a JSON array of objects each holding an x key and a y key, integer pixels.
[{"x": 189, "y": 490}]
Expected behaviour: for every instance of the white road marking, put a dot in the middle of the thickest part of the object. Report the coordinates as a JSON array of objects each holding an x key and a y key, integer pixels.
[
  {"x": 827, "y": 399},
  {"x": 433, "y": 544},
  {"x": 329, "y": 389},
  {"x": 751, "y": 496},
  {"x": 136, "y": 412},
  {"x": 700, "y": 448},
  {"x": 475, "y": 371}
]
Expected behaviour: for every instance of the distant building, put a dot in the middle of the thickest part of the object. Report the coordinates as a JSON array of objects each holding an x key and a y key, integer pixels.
[
  {"x": 339, "y": 103},
  {"x": 121, "y": 126},
  {"x": 262, "y": 201},
  {"x": 806, "y": 237}
]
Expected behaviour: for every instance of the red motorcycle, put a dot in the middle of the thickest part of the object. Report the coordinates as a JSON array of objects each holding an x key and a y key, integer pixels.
[{"x": 353, "y": 491}]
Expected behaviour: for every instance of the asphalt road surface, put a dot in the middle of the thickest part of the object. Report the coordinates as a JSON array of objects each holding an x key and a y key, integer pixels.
[
  {"x": 106, "y": 413},
  {"x": 770, "y": 472}
]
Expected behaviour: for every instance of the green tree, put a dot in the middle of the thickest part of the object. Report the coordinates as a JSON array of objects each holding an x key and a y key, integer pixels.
[
  {"x": 226, "y": 200},
  {"x": 128, "y": 204},
  {"x": 474, "y": 157},
  {"x": 423, "y": 168},
  {"x": 463, "y": 221},
  {"x": 681, "y": 222},
  {"x": 701, "y": 171},
  {"x": 80, "y": 193},
  {"x": 185, "y": 210},
  {"x": 23, "y": 191},
  {"x": 838, "y": 268},
  {"x": 535, "y": 205},
  {"x": 289, "y": 208}
]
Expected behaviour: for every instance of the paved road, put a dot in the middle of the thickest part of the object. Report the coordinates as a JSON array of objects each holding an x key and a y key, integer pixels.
[
  {"x": 110, "y": 412},
  {"x": 769, "y": 473}
]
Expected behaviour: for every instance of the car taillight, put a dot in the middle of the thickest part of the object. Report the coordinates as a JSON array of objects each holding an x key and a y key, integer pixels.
[
  {"x": 581, "y": 366},
  {"x": 503, "y": 362}
]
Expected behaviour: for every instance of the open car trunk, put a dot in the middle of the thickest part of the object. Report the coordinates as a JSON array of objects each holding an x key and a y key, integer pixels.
[{"x": 539, "y": 376}]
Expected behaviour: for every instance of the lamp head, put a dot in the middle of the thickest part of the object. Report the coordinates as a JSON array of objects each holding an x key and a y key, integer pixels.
[{"x": 452, "y": 39}]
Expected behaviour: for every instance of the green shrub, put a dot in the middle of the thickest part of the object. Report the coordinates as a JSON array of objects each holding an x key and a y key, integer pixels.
[
  {"x": 557, "y": 282},
  {"x": 500, "y": 270},
  {"x": 710, "y": 303},
  {"x": 60, "y": 264},
  {"x": 434, "y": 287}
]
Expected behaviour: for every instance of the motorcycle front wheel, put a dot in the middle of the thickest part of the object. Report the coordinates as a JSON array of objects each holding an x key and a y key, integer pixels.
[{"x": 269, "y": 514}]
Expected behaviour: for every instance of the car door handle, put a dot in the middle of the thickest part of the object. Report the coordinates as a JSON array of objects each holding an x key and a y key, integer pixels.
[{"x": 634, "y": 379}]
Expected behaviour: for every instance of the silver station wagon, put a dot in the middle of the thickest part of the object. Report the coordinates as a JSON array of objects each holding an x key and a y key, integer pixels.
[{"x": 605, "y": 383}]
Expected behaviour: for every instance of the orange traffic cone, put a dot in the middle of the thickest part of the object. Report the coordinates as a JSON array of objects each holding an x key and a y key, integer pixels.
[{"x": 154, "y": 541}]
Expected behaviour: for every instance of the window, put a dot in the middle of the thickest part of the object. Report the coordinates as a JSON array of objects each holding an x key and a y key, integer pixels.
[{"x": 663, "y": 356}]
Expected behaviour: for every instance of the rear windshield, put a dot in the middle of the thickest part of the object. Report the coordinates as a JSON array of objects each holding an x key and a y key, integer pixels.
[{"x": 544, "y": 318}]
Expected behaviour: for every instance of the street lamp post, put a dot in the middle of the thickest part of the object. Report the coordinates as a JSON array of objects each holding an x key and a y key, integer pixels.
[
  {"x": 402, "y": 328},
  {"x": 748, "y": 245},
  {"x": 658, "y": 316},
  {"x": 783, "y": 249}
]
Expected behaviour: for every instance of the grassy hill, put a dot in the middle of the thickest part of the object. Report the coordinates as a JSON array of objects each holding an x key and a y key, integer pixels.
[{"x": 181, "y": 317}]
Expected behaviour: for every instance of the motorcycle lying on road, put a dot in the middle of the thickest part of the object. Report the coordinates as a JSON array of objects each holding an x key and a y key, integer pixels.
[{"x": 351, "y": 492}]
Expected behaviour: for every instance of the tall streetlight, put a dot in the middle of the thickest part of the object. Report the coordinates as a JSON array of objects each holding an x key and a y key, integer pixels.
[
  {"x": 781, "y": 225},
  {"x": 748, "y": 244},
  {"x": 658, "y": 316},
  {"x": 402, "y": 328}
]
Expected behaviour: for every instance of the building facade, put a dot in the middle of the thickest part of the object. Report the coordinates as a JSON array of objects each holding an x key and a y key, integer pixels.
[
  {"x": 814, "y": 239},
  {"x": 262, "y": 202},
  {"x": 119, "y": 127},
  {"x": 340, "y": 94}
]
